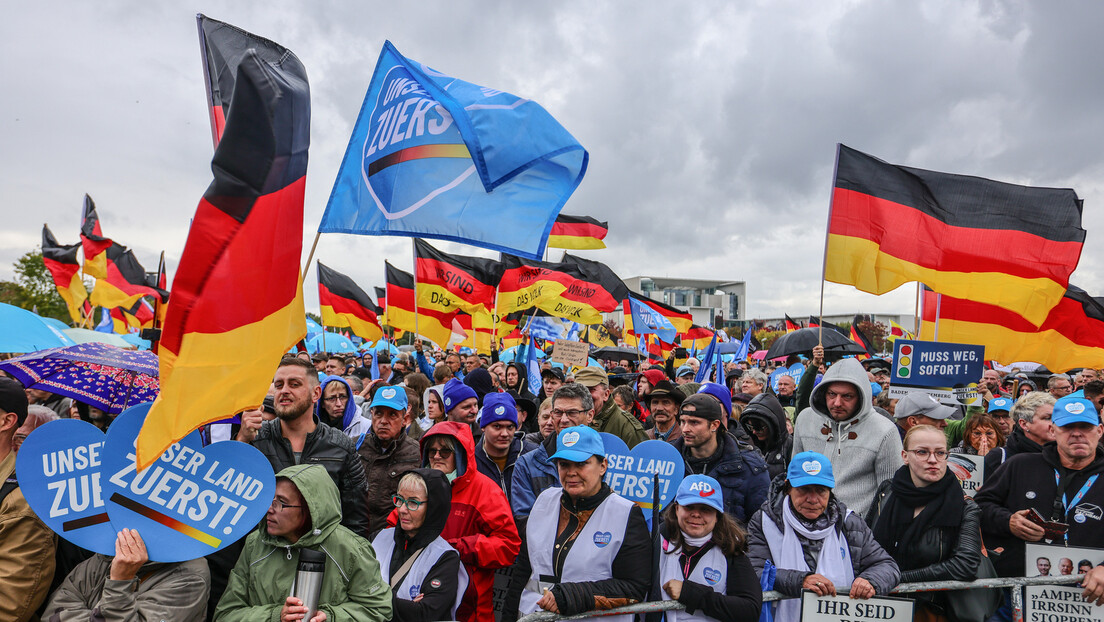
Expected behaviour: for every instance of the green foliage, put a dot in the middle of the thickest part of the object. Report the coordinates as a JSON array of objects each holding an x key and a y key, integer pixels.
[
  {"x": 33, "y": 288},
  {"x": 767, "y": 337}
]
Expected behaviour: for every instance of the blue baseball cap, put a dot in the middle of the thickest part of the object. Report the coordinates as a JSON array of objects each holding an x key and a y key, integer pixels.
[
  {"x": 1069, "y": 410},
  {"x": 810, "y": 468},
  {"x": 498, "y": 407},
  {"x": 578, "y": 443},
  {"x": 391, "y": 397},
  {"x": 1000, "y": 403},
  {"x": 684, "y": 370},
  {"x": 700, "y": 490}
]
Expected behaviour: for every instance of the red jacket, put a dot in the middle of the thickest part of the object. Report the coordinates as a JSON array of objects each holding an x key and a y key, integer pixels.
[{"x": 480, "y": 526}]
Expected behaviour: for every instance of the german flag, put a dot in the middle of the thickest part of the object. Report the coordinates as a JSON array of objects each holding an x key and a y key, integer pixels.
[
  {"x": 93, "y": 241},
  {"x": 237, "y": 303},
  {"x": 381, "y": 298},
  {"x": 401, "y": 310},
  {"x": 861, "y": 339},
  {"x": 140, "y": 315},
  {"x": 1000, "y": 244},
  {"x": 62, "y": 263},
  {"x": 577, "y": 289},
  {"x": 791, "y": 324},
  {"x": 125, "y": 282},
  {"x": 681, "y": 320},
  {"x": 1072, "y": 335},
  {"x": 697, "y": 338},
  {"x": 344, "y": 303},
  {"x": 479, "y": 329},
  {"x": 451, "y": 283},
  {"x": 578, "y": 233},
  {"x": 897, "y": 331}
]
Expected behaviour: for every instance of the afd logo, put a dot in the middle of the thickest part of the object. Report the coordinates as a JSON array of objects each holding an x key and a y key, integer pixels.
[
  {"x": 702, "y": 488},
  {"x": 711, "y": 576},
  {"x": 602, "y": 538}
]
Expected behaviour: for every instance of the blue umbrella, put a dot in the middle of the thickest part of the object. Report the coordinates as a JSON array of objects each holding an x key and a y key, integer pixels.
[
  {"x": 83, "y": 335},
  {"x": 379, "y": 345},
  {"x": 109, "y": 378},
  {"x": 56, "y": 323},
  {"x": 134, "y": 340},
  {"x": 334, "y": 343},
  {"x": 23, "y": 331}
]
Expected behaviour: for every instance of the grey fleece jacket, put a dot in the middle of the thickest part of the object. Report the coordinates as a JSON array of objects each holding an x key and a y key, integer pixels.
[{"x": 864, "y": 450}]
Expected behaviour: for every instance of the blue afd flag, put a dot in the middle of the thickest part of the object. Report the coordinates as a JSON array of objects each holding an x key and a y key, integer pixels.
[
  {"x": 647, "y": 321},
  {"x": 435, "y": 157},
  {"x": 532, "y": 364},
  {"x": 707, "y": 360}
]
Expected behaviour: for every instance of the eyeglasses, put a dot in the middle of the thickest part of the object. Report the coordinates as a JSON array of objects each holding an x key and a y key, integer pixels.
[
  {"x": 444, "y": 452},
  {"x": 411, "y": 504},
  {"x": 994, "y": 415},
  {"x": 940, "y": 454},
  {"x": 280, "y": 506},
  {"x": 336, "y": 398},
  {"x": 556, "y": 412}
]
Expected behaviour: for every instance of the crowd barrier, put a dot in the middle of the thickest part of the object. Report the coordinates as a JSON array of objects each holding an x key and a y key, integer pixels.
[{"x": 1017, "y": 583}]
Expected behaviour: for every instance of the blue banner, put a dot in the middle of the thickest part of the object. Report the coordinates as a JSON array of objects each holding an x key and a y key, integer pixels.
[
  {"x": 795, "y": 371},
  {"x": 631, "y": 473},
  {"x": 433, "y": 156},
  {"x": 947, "y": 371},
  {"x": 647, "y": 322}
]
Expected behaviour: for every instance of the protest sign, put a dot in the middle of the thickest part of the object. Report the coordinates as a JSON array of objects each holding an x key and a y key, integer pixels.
[
  {"x": 794, "y": 371},
  {"x": 949, "y": 372},
  {"x": 843, "y": 609},
  {"x": 970, "y": 471},
  {"x": 193, "y": 500},
  {"x": 59, "y": 475},
  {"x": 570, "y": 353},
  {"x": 630, "y": 473},
  {"x": 1047, "y": 560},
  {"x": 1056, "y": 603}
]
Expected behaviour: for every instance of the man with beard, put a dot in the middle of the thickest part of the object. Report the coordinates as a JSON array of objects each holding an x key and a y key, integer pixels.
[
  {"x": 664, "y": 402},
  {"x": 296, "y": 436}
]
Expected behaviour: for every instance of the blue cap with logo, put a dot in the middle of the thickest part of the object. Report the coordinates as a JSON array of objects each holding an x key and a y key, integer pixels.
[
  {"x": 700, "y": 490},
  {"x": 391, "y": 397},
  {"x": 809, "y": 468},
  {"x": 498, "y": 407},
  {"x": 578, "y": 443},
  {"x": 1069, "y": 410},
  {"x": 1000, "y": 403}
]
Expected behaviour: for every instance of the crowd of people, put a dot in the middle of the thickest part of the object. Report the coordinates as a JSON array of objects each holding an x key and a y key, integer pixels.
[{"x": 420, "y": 481}]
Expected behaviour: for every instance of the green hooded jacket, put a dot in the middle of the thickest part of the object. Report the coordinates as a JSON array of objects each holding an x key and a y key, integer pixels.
[{"x": 352, "y": 587}]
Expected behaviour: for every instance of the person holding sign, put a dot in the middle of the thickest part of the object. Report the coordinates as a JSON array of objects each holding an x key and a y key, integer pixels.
[
  {"x": 814, "y": 541},
  {"x": 584, "y": 547},
  {"x": 704, "y": 564},
  {"x": 923, "y": 520}
]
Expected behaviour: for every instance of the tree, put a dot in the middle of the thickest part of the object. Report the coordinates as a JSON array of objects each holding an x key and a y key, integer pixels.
[{"x": 33, "y": 288}]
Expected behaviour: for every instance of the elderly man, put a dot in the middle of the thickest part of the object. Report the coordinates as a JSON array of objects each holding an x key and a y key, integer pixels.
[
  {"x": 786, "y": 388},
  {"x": 990, "y": 385},
  {"x": 664, "y": 402},
  {"x": 840, "y": 422},
  {"x": 753, "y": 382},
  {"x": 608, "y": 416},
  {"x": 1032, "y": 429},
  {"x": 1059, "y": 385},
  {"x": 386, "y": 453}
]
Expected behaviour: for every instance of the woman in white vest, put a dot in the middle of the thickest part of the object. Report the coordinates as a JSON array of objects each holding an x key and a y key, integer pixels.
[
  {"x": 426, "y": 576},
  {"x": 703, "y": 564},
  {"x": 584, "y": 547}
]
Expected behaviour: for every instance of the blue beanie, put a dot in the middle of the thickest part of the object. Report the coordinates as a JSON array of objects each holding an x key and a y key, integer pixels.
[
  {"x": 719, "y": 391},
  {"x": 456, "y": 392},
  {"x": 498, "y": 407}
]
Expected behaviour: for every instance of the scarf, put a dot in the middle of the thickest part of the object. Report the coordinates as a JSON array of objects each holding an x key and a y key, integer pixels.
[
  {"x": 942, "y": 501},
  {"x": 834, "y": 561}
]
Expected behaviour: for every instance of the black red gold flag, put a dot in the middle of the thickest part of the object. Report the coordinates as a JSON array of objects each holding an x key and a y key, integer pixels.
[
  {"x": 345, "y": 304},
  {"x": 125, "y": 280},
  {"x": 404, "y": 314},
  {"x": 450, "y": 283},
  {"x": 93, "y": 241},
  {"x": 578, "y": 232},
  {"x": 62, "y": 263},
  {"x": 862, "y": 340},
  {"x": 791, "y": 324},
  {"x": 577, "y": 289}
]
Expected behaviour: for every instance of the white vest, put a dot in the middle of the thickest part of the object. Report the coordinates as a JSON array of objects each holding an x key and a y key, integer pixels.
[
  {"x": 710, "y": 571},
  {"x": 411, "y": 585},
  {"x": 591, "y": 555}
]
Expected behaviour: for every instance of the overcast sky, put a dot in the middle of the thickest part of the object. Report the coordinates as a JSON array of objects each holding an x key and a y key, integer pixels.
[{"x": 711, "y": 126}]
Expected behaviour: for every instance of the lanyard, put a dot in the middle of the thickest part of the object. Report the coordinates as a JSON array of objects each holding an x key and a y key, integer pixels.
[{"x": 1066, "y": 505}]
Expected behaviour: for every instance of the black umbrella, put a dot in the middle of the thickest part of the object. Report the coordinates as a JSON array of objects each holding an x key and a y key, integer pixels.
[
  {"x": 803, "y": 340},
  {"x": 616, "y": 353}
]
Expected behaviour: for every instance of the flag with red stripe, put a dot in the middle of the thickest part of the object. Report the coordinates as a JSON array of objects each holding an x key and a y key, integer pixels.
[
  {"x": 577, "y": 289},
  {"x": 791, "y": 324},
  {"x": 403, "y": 313},
  {"x": 93, "y": 241},
  {"x": 578, "y": 233},
  {"x": 125, "y": 281},
  {"x": 345, "y": 304},
  {"x": 62, "y": 263},
  {"x": 451, "y": 283},
  {"x": 862, "y": 340}
]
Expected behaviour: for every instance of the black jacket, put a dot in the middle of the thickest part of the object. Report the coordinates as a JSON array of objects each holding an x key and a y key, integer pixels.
[
  {"x": 330, "y": 448},
  {"x": 740, "y": 471},
  {"x": 776, "y": 449},
  {"x": 1027, "y": 481},
  {"x": 488, "y": 467},
  {"x": 1017, "y": 443}
]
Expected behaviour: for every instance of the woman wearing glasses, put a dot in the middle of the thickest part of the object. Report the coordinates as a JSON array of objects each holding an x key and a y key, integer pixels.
[
  {"x": 426, "y": 577},
  {"x": 923, "y": 520}
]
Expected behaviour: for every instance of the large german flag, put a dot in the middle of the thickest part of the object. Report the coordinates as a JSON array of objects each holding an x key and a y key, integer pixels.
[
  {"x": 344, "y": 303},
  {"x": 578, "y": 233},
  {"x": 479, "y": 329},
  {"x": 402, "y": 311},
  {"x": 1072, "y": 335},
  {"x": 93, "y": 241},
  {"x": 697, "y": 338},
  {"x": 62, "y": 263},
  {"x": 577, "y": 289},
  {"x": 452, "y": 283},
  {"x": 681, "y": 320},
  {"x": 1009, "y": 246},
  {"x": 125, "y": 281},
  {"x": 237, "y": 303}
]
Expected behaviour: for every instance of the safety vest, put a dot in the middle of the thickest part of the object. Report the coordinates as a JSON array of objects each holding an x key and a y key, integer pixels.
[
  {"x": 590, "y": 557},
  {"x": 411, "y": 584},
  {"x": 710, "y": 571}
]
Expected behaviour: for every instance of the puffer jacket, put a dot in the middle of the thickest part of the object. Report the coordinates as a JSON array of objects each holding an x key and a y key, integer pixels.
[
  {"x": 383, "y": 468},
  {"x": 352, "y": 586},
  {"x": 741, "y": 473},
  {"x": 159, "y": 592},
  {"x": 330, "y": 448},
  {"x": 778, "y": 446},
  {"x": 869, "y": 560},
  {"x": 353, "y": 423}
]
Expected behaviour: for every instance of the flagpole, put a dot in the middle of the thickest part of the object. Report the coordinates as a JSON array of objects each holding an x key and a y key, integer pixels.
[
  {"x": 414, "y": 252},
  {"x": 824, "y": 262},
  {"x": 938, "y": 304},
  {"x": 916, "y": 315},
  {"x": 310, "y": 256}
]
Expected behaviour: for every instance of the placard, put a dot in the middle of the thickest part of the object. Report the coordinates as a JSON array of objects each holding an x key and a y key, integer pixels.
[
  {"x": 947, "y": 371},
  {"x": 1057, "y": 603},
  {"x": 970, "y": 471},
  {"x": 630, "y": 473},
  {"x": 1051, "y": 560},
  {"x": 795, "y": 371},
  {"x": 568, "y": 352},
  {"x": 845, "y": 609}
]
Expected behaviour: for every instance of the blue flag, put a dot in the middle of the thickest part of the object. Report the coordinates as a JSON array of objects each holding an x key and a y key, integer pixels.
[
  {"x": 105, "y": 325},
  {"x": 436, "y": 157},
  {"x": 745, "y": 346},
  {"x": 646, "y": 321},
  {"x": 707, "y": 360},
  {"x": 532, "y": 365}
]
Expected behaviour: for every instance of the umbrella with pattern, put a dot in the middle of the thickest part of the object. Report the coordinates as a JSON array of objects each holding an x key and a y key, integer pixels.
[{"x": 109, "y": 378}]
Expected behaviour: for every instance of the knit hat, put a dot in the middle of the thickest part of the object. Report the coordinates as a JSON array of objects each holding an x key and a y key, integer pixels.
[
  {"x": 703, "y": 406},
  {"x": 480, "y": 381},
  {"x": 456, "y": 392},
  {"x": 720, "y": 392},
  {"x": 654, "y": 376},
  {"x": 498, "y": 407}
]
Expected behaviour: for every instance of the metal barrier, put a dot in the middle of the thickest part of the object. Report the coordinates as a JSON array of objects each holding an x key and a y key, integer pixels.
[{"x": 1018, "y": 583}]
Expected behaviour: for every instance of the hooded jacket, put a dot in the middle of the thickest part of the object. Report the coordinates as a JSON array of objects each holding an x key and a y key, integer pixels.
[
  {"x": 159, "y": 591},
  {"x": 518, "y": 447},
  {"x": 778, "y": 446},
  {"x": 865, "y": 449},
  {"x": 353, "y": 424},
  {"x": 480, "y": 526},
  {"x": 352, "y": 586},
  {"x": 868, "y": 559},
  {"x": 439, "y": 586}
]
